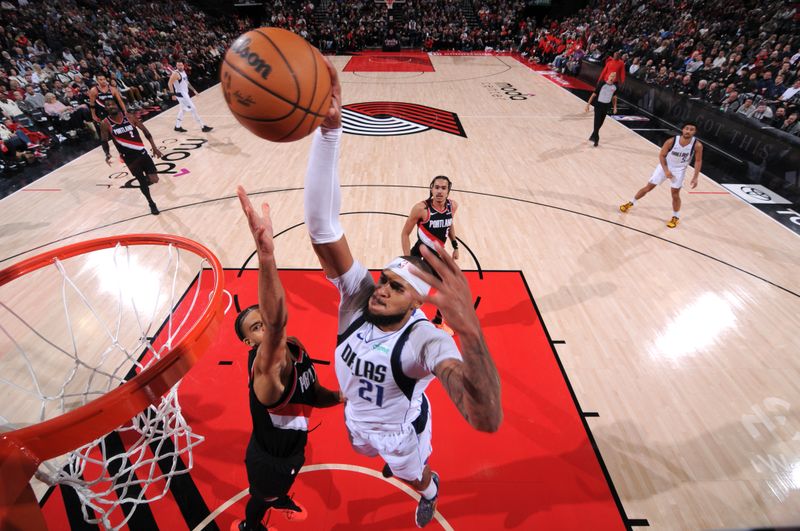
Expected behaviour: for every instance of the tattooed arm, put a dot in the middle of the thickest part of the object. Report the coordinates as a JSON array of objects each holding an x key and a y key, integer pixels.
[{"x": 473, "y": 384}]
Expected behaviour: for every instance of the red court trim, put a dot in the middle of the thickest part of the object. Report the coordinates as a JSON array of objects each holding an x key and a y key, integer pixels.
[
  {"x": 412, "y": 61},
  {"x": 549, "y": 473}
]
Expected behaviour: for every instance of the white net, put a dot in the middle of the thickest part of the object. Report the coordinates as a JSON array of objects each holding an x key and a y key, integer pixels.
[{"x": 121, "y": 310}]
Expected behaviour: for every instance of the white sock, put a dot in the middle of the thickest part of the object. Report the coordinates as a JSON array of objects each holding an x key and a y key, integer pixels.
[
  {"x": 431, "y": 491},
  {"x": 633, "y": 200},
  {"x": 321, "y": 196},
  {"x": 676, "y": 214}
]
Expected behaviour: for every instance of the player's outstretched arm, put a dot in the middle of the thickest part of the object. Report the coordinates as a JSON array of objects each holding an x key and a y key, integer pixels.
[
  {"x": 473, "y": 385},
  {"x": 271, "y": 356},
  {"x": 322, "y": 195}
]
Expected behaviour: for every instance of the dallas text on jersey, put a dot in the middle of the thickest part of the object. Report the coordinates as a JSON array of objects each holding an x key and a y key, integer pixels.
[{"x": 363, "y": 368}]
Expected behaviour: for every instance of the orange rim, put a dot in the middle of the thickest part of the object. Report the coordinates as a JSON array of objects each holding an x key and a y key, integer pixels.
[{"x": 75, "y": 428}]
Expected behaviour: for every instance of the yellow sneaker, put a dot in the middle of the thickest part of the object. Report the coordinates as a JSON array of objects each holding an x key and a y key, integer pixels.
[
  {"x": 672, "y": 223},
  {"x": 627, "y": 206}
]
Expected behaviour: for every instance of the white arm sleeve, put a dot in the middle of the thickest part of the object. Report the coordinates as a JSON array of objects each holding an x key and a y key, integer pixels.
[{"x": 322, "y": 198}]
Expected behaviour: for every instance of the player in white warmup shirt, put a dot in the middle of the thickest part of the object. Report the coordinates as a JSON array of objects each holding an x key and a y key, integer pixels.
[
  {"x": 387, "y": 351},
  {"x": 675, "y": 157},
  {"x": 179, "y": 86}
]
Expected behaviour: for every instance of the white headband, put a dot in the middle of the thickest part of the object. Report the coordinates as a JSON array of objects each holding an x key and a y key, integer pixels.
[{"x": 402, "y": 268}]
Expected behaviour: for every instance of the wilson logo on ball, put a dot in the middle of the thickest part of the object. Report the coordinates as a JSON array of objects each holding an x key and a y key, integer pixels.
[
  {"x": 392, "y": 118},
  {"x": 241, "y": 47}
]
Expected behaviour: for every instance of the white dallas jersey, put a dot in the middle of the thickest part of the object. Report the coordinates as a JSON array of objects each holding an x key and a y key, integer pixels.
[
  {"x": 182, "y": 85},
  {"x": 384, "y": 374},
  {"x": 679, "y": 157}
]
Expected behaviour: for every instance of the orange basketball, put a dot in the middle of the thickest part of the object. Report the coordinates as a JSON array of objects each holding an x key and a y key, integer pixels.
[{"x": 276, "y": 84}]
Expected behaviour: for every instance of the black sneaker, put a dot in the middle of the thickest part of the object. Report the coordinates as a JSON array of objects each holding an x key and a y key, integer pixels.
[
  {"x": 426, "y": 508},
  {"x": 154, "y": 209},
  {"x": 207, "y": 128},
  {"x": 290, "y": 509},
  {"x": 241, "y": 525},
  {"x": 387, "y": 472},
  {"x": 180, "y": 129}
]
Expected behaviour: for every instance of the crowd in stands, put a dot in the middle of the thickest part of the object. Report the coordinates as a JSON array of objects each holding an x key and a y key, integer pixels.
[
  {"x": 52, "y": 50},
  {"x": 738, "y": 55}
]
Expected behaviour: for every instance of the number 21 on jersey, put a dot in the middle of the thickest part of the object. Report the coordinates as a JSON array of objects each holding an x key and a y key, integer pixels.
[{"x": 371, "y": 392}]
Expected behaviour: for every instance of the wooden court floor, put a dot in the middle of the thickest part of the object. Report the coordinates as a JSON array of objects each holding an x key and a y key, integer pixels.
[{"x": 683, "y": 341}]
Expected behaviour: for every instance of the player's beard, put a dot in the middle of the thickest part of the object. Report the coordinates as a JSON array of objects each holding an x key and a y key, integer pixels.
[{"x": 382, "y": 320}]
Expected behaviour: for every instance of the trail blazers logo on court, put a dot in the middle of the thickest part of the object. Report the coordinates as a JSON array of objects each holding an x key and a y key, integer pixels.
[{"x": 392, "y": 118}]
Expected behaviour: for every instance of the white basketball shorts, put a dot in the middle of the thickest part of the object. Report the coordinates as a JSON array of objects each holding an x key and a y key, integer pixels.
[
  {"x": 405, "y": 451},
  {"x": 659, "y": 176}
]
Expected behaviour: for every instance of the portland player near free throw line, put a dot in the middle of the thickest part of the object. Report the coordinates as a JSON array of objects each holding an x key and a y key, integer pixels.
[
  {"x": 434, "y": 220},
  {"x": 387, "y": 351}
]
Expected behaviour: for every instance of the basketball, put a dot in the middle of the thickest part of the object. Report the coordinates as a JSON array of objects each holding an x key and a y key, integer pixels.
[{"x": 276, "y": 84}]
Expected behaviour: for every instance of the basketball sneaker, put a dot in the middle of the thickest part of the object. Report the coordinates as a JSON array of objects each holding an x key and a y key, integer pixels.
[
  {"x": 241, "y": 525},
  {"x": 180, "y": 129},
  {"x": 207, "y": 128},
  {"x": 154, "y": 209},
  {"x": 427, "y": 508},
  {"x": 627, "y": 206},
  {"x": 672, "y": 223},
  {"x": 294, "y": 512},
  {"x": 387, "y": 471}
]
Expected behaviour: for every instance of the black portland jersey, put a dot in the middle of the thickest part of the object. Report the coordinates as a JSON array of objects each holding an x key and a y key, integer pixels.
[
  {"x": 281, "y": 429},
  {"x": 126, "y": 137},
  {"x": 436, "y": 225},
  {"x": 100, "y": 102}
]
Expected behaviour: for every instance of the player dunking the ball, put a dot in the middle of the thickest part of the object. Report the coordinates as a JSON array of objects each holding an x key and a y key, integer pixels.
[
  {"x": 434, "y": 221},
  {"x": 387, "y": 351},
  {"x": 676, "y": 155},
  {"x": 123, "y": 130},
  {"x": 283, "y": 387}
]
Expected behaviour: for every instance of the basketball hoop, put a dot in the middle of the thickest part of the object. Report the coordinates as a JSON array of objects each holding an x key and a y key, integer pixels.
[{"x": 124, "y": 355}]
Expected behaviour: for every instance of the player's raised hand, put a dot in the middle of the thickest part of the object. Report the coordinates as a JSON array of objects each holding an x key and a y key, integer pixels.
[
  {"x": 334, "y": 118},
  {"x": 260, "y": 225},
  {"x": 452, "y": 294}
]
